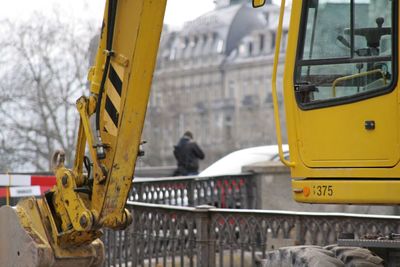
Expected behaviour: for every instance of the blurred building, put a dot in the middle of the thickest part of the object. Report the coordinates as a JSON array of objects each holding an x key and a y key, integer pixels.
[{"x": 213, "y": 77}]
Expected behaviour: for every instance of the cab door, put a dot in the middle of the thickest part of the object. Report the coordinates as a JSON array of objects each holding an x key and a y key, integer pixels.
[{"x": 345, "y": 80}]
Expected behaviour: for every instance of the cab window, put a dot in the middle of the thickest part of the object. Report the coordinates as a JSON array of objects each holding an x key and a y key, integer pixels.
[{"x": 345, "y": 51}]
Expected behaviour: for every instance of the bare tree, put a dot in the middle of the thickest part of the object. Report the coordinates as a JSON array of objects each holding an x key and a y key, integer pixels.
[{"x": 43, "y": 67}]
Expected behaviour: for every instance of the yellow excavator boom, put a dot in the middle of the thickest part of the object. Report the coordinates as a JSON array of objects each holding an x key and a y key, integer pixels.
[{"x": 63, "y": 228}]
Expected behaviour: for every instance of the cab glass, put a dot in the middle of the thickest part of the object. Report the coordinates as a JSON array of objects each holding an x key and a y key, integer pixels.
[{"x": 345, "y": 51}]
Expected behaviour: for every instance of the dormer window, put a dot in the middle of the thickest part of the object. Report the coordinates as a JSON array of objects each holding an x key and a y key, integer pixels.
[
  {"x": 250, "y": 48},
  {"x": 261, "y": 38}
]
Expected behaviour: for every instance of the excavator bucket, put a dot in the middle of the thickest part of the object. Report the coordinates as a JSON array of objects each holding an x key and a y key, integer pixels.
[{"x": 26, "y": 242}]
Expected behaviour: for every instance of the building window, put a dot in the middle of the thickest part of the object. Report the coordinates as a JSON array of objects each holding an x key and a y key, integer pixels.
[
  {"x": 273, "y": 40},
  {"x": 261, "y": 42},
  {"x": 250, "y": 48}
]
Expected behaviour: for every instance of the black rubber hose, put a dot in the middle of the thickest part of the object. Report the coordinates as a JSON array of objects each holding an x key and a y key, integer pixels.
[{"x": 112, "y": 11}]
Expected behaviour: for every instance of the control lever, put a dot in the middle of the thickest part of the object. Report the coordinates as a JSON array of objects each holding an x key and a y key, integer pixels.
[{"x": 343, "y": 40}]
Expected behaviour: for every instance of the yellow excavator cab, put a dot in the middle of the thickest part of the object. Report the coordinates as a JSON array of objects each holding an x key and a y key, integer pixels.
[{"x": 342, "y": 101}]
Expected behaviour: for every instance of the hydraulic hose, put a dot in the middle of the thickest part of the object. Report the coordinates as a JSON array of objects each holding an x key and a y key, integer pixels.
[{"x": 112, "y": 11}]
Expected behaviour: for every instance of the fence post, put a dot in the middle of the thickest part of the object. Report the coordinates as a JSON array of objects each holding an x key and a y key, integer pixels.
[
  {"x": 205, "y": 244},
  {"x": 139, "y": 190},
  {"x": 300, "y": 233},
  {"x": 251, "y": 187},
  {"x": 190, "y": 193},
  {"x": 133, "y": 230}
]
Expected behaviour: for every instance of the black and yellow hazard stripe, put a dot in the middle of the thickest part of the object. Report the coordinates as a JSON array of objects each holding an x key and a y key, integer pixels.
[{"x": 113, "y": 98}]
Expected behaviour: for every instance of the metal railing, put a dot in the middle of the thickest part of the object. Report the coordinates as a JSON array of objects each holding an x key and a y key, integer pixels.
[
  {"x": 233, "y": 191},
  {"x": 181, "y": 236}
]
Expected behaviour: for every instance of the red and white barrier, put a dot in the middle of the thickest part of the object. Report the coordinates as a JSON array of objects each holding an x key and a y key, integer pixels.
[
  {"x": 25, "y": 185},
  {"x": 26, "y": 180}
]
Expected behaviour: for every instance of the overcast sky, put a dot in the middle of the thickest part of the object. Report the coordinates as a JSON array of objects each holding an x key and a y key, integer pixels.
[{"x": 178, "y": 11}]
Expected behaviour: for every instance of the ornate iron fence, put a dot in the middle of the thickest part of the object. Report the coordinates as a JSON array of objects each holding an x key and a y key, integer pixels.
[
  {"x": 233, "y": 191},
  {"x": 181, "y": 236}
]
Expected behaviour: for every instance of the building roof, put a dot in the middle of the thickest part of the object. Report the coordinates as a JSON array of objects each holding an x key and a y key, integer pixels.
[{"x": 218, "y": 31}]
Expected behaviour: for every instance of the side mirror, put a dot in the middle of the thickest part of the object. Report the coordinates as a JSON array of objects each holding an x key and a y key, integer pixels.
[{"x": 258, "y": 3}]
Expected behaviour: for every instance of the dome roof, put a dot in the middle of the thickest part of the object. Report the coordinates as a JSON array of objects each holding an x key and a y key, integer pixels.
[{"x": 224, "y": 26}]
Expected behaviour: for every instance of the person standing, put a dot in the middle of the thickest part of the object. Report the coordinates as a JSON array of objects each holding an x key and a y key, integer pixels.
[{"x": 187, "y": 154}]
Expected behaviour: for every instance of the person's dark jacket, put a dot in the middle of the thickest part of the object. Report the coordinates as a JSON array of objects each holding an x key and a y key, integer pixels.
[{"x": 187, "y": 153}]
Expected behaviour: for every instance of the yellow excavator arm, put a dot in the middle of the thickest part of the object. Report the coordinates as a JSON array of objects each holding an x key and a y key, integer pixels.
[{"x": 62, "y": 228}]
